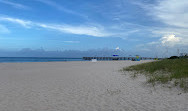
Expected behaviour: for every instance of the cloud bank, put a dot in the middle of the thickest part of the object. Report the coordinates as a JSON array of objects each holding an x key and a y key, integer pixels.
[
  {"x": 174, "y": 16},
  {"x": 172, "y": 12}
]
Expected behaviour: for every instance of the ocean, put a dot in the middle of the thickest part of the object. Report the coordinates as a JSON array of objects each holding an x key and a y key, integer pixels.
[{"x": 36, "y": 59}]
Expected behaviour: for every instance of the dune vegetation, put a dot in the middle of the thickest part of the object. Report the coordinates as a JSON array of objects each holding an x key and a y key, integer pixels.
[{"x": 168, "y": 71}]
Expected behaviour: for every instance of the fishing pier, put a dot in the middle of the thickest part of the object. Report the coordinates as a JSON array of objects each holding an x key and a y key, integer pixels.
[{"x": 116, "y": 58}]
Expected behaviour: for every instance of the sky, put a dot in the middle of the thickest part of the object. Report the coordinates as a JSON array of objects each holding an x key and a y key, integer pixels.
[{"x": 149, "y": 27}]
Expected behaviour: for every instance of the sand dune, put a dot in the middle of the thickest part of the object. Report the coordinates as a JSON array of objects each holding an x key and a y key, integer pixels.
[{"x": 82, "y": 86}]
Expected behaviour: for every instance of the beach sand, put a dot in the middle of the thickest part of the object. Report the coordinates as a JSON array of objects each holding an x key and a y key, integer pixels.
[{"x": 82, "y": 86}]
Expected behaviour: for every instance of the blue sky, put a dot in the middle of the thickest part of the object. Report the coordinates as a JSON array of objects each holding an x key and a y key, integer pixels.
[{"x": 148, "y": 26}]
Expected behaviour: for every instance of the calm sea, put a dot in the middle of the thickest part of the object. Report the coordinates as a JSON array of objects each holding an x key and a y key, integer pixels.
[{"x": 37, "y": 59}]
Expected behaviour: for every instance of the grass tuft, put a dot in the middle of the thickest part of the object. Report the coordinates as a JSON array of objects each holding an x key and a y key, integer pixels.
[{"x": 164, "y": 71}]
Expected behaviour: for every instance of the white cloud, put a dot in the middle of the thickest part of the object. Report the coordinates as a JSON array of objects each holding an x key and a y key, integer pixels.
[
  {"x": 15, "y": 5},
  {"x": 71, "y": 41},
  {"x": 172, "y": 12},
  {"x": 24, "y": 23},
  {"x": 4, "y": 29},
  {"x": 153, "y": 43},
  {"x": 170, "y": 40},
  {"x": 93, "y": 30},
  {"x": 80, "y": 30},
  {"x": 90, "y": 30},
  {"x": 60, "y": 7},
  {"x": 180, "y": 32}
]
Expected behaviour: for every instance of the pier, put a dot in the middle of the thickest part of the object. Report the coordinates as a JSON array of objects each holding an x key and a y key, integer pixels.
[{"x": 116, "y": 58}]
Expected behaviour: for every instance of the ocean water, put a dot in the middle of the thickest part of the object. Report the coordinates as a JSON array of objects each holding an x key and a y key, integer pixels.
[{"x": 36, "y": 59}]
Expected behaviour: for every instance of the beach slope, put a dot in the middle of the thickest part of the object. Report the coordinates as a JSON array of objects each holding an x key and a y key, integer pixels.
[{"x": 82, "y": 86}]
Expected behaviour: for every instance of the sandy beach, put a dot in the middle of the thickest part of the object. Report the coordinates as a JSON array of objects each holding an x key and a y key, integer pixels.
[{"x": 82, "y": 86}]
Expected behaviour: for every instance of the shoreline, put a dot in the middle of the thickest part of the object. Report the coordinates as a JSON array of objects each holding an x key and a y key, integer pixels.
[{"x": 77, "y": 61}]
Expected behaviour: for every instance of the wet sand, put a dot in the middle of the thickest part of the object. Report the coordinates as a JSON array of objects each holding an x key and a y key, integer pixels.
[{"x": 82, "y": 86}]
